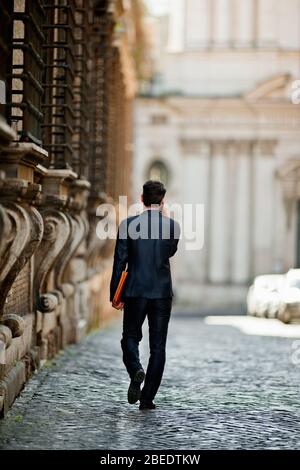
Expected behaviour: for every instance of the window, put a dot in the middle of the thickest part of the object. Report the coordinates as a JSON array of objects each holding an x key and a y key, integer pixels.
[
  {"x": 158, "y": 171},
  {"x": 159, "y": 119}
]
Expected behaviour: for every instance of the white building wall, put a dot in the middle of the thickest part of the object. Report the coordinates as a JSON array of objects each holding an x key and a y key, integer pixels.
[
  {"x": 225, "y": 152},
  {"x": 289, "y": 24},
  {"x": 249, "y": 41}
]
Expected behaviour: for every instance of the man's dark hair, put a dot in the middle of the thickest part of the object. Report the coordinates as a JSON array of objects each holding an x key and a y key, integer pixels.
[{"x": 153, "y": 192}]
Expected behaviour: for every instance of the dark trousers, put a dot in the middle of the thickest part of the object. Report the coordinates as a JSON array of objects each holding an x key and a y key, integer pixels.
[{"x": 158, "y": 312}]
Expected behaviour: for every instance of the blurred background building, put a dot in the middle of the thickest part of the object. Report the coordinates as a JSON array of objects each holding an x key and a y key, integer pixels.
[
  {"x": 68, "y": 75},
  {"x": 217, "y": 124}
]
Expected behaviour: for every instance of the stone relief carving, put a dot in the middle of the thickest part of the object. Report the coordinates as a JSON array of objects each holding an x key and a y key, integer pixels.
[
  {"x": 23, "y": 233},
  {"x": 78, "y": 225},
  {"x": 56, "y": 234}
]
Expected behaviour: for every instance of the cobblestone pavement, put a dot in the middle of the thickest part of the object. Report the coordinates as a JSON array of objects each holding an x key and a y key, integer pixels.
[{"x": 221, "y": 389}]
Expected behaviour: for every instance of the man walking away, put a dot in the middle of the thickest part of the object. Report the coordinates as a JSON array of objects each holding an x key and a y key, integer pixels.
[{"x": 144, "y": 244}]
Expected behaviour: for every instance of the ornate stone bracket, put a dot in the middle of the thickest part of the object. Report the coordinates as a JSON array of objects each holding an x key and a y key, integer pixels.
[
  {"x": 23, "y": 234},
  {"x": 56, "y": 234},
  {"x": 15, "y": 323},
  {"x": 79, "y": 229},
  {"x": 21, "y": 225}
]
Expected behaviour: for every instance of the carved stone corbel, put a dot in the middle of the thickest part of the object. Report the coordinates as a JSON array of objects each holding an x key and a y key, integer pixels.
[
  {"x": 21, "y": 229},
  {"x": 79, "y": 225},
  {"x": 49, "y": 301},
  {"x": 24, "y": 233},
  {"x": 56, "y": 234},
  {"x": 15, "y": 323},
  {"x": 5, "y": 335},
  {"x": 19, "y": 194}
]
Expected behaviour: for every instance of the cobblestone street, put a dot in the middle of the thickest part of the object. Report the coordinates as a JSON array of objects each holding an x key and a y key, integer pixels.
[{"x": 221, "y": 389}]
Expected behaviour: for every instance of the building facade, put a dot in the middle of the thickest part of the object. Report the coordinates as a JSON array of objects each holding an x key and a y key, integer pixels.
[
  {"x": 219, "y": 124},
  {"x": 67, "y": 82}
]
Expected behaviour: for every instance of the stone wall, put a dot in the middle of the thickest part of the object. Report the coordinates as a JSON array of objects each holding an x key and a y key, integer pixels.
[{"x": 64, "y": 135}]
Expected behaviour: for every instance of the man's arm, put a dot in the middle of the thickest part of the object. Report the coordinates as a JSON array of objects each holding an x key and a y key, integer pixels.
[{"x": 120, "y": 258}]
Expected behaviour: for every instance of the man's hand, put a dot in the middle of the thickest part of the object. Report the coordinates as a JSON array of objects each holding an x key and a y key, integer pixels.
[
  {"x": 164, "y": 210},
  {"x": 118, "y": 306}
]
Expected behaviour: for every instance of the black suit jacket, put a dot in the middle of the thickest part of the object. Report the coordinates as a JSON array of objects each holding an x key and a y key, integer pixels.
[{"x": 145, "y": 243}]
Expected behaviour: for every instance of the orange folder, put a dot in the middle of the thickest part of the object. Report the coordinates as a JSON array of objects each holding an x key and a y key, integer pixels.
[{"x": 116, "y": 302}]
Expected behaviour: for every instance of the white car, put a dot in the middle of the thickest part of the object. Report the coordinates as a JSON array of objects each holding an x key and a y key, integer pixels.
[
  {"x": 274, "y": 297},
  {"x": 262, "y": 293},
  {"x": 289, "y": 308}
]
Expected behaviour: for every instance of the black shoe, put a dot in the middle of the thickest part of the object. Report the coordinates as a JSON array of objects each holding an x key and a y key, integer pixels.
[
  {"x": 147, "y": 405},
  {"x": 134, "y": 391}
]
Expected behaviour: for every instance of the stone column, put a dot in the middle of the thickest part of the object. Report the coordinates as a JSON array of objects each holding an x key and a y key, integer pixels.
[
  {"x": 231, "y": 178},
  {"x": 281, "y": 227},
  {"x": 222, "y": 23},
  {"x": 176, "y": 27},
  {"x": 205, "y": 191},
  {"x": 197, "y": 23},
  {"x": 264, "y": 207},
  {"x": 287, "y": 186},
  {"x": 244, "y": 23},
  {"x": 242, "y": 215},
  {"x": 218, "y": 254},
  {"x": 198, "y": 163},
  {"x": 266, "y": 23}
]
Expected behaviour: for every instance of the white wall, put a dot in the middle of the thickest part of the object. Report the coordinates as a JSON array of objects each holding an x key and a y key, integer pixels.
[
  {"x": 232, "y": 171},
  {"x": 218, "y": 51},
  {"x": 226, "y": 47}
]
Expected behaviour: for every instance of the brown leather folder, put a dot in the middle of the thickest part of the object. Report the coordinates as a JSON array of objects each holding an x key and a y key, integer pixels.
[{"x": 117, "y": 302}]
